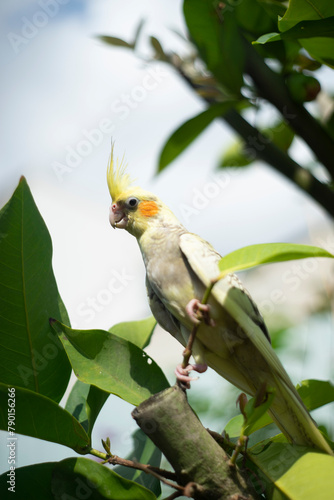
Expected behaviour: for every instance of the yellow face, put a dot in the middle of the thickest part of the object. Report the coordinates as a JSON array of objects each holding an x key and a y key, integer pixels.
[
  {"x": 134, "y": 212},
  {"x": 132, "y": 208}
]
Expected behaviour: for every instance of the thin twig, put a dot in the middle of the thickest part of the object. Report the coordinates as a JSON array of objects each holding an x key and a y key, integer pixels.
[
  {"x": 241, "y": 446},
  {"x": 99, "y": 454},
  {"x": 222, "y": 440},
  {"x": 188, "y": 350},
  {"x": 148, "y": 469}
]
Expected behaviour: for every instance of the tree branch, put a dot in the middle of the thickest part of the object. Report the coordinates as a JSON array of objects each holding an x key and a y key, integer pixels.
[
  {"x": 271, "y": 86},
  {"x": 262, "y": 148},
  {"x": 200, "y": 464},
  {"x": 148, "y": 469}
]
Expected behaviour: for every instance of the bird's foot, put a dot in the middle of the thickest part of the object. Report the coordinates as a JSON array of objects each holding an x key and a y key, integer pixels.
[
  {"x": 198, "y": 311},
  {"x": 182, "y": 374}
]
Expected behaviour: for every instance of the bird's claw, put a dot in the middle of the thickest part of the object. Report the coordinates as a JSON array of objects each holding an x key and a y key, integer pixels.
[
  {"x": 198, "y": 311},
  {"x": 182, "y": 374}
]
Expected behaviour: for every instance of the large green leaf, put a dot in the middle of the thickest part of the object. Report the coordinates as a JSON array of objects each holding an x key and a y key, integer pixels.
[
  {"x": 316, "y": 393},
  {"x": 298, "y": 473},
  {"x": 31, "y": 355},
  {"x": 95, "y": 402},
  {"x": 72, "y": 479},
  {"x": 137, "y": 332},
  {"x": 303, "y": 10},
  {"x": 111, "y": 363},
  {"x": 76, "y": 403},
  {"x": 256, "y": 255},
  {"x": 216, "y": 35},
  {"x": 320, "y": 48},
  {"x": 40, "y": 417},
  {"x": 253, "y": 18},
  {"x": 189, "y": 131},
  {"x": 33, "y": 481},
  {"x": 305, "y": 29},
  {"x": 82, "y": 478},
  {"x": 85, "y": 403},
  {"x": 144, "y": 451}
]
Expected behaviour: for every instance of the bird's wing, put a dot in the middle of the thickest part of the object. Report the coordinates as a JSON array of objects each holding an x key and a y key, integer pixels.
[
  {"x": 203, "y": 259},
  {"x": 288, "y": 409},
  {"x": 232, "y": 296},
  {"x": 163, "y": 316}
]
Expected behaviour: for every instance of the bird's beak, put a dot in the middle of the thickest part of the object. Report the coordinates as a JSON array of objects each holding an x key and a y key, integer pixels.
[{"x": 117, "y": 217}]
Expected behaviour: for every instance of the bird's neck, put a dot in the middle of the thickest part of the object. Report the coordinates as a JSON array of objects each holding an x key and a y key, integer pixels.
[{"x": 159, "y": 237}]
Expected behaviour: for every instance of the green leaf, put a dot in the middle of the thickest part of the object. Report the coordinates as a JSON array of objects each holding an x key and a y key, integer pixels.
[
  {"x": 268, "y": 37},
  {"x": 253, "y": 18},
  {"x": 298, "y": 473},
  {"x": 119, "y": 42},
  {"x": 274, "y": 8},
  {"x": 95, "y": 402},
  {"x": 138, "y": 32},
  {"x": 320, "y": 48},
  {"x": 40, "y": 417},
  {"x": 316, "y": 393},
  {"x": 72, "y": 479},
  {"x": 238, "y": 154},
  {"x": 31, "y": 356},
  {"x": 76, "y": 403},
  {"x": 82, "y": 478},
  {"x": 304, "y": 29},
  {"x": 280, "y": 134},
  {"x": 217, "y": 37},
  {"x": 301, "y": 10},
  {"x": 159, "y": 51},
  {"x": 234, "y": 427},
  {"x": 189, "y": 131},
  {"x": 254, "y": 413},
  {"x": 116, "y": 42},
  {"x": 256, "y": 255},
  {"x": 111, "y": 363},
  {"x": 33, "y": 481},
  {"x": 85, "y": 403},
  {"x": 137, "y": 332},
  {"x": 144, "y": 451}
]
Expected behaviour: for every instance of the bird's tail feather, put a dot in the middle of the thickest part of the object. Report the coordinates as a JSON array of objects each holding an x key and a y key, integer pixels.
[
  {"x": 287, "y": 410},
  {"x": 291, "y": 416}
]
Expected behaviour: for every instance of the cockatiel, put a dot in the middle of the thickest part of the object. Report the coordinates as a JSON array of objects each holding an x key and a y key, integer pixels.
[{"x": 234, "y": 341}]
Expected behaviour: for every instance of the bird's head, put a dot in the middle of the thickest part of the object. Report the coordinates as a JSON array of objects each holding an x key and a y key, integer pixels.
[{"x": 132, "y": 208}]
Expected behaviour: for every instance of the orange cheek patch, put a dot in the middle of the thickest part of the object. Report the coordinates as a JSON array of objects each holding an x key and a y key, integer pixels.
[{"x": 148, "y": 208}]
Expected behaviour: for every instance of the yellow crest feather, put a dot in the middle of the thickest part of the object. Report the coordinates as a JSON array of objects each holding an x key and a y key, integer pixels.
[{"x": 117, "y": 178}]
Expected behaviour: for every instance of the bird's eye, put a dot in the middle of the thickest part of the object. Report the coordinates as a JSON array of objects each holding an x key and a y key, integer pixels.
[{"x": 132, "y": 202}]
